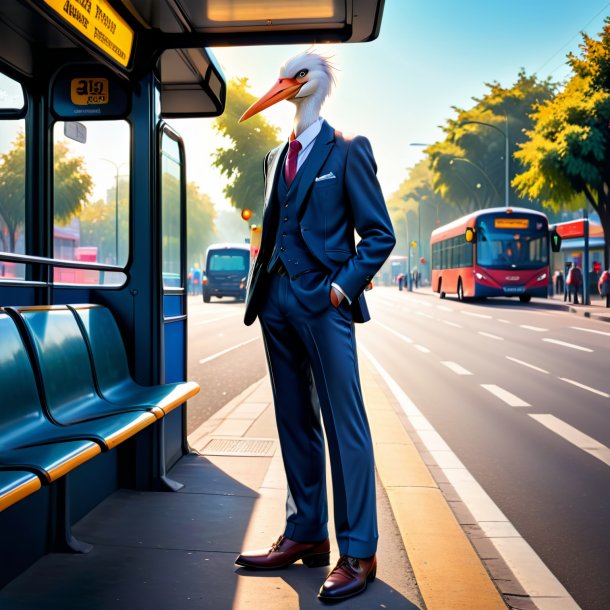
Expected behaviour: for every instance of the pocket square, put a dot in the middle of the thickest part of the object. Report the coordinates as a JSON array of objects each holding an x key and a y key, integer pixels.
[{"x": 329, "y": 176}]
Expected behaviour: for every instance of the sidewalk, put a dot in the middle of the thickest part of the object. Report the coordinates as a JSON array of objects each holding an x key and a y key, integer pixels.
[{"x": 425, "y": 558}]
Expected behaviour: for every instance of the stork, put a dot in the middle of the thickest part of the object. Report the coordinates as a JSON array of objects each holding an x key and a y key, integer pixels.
[{"x": 305, "y": 80}]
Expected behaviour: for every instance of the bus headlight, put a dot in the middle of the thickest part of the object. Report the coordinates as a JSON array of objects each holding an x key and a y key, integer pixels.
[
  {"x": 541, "y": 277},
  {"x": 479, "y": 276}
]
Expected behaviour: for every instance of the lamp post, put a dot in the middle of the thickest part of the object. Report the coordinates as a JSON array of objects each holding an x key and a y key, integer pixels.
[
  {"x": 477, "y": 166},
  {"x": 506, "y": 152},
  {"x": 117, "y": 166}
]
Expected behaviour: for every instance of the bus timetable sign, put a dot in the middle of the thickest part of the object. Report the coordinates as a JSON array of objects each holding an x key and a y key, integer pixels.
[
  {"x": 87, "y": 91},
  {"x": 97, "y": 21}
]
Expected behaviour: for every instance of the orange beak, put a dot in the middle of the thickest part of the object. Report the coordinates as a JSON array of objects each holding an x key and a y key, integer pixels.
[{"x": 284, "y": 89}]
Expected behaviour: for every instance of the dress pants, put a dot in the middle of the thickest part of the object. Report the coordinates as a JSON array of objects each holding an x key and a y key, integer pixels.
[{"x": 313, "y": 366}]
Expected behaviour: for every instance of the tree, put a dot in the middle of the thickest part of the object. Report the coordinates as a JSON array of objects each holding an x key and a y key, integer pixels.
[
  {"x": 567, "y": 155},
  {"x": 242, "y": 161},
  {"x": 200, "y": 224},
  {"x": 469, "y": 165},
  {"x": 73, "y": 186}
]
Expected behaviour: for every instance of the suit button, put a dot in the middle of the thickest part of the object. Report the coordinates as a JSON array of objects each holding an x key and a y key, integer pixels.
[
  {"x": 285, "y": 205},
  {"x": 283, "y": 249},
  {"x": 285, "y": 218},
  {"x": 283, "y": 234}
]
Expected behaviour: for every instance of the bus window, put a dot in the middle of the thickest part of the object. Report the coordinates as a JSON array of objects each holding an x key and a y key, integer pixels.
[
  {"x": 12, "y": 176},
  {"x": 91, "y": 193},
  {"x": 171, "y": 185}
]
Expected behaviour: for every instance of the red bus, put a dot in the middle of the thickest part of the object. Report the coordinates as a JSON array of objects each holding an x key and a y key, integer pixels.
[{"x": 492, "y": 252}]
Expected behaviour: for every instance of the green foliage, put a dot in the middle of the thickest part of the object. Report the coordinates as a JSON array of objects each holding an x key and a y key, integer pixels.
[
  {"x": 72, "y": 186},
  {"x": 200, "y": 224},
  {"x": 250, "y": 141},
  {"x": 468, "y": 167},
  {"x": 567, "y": 156}
]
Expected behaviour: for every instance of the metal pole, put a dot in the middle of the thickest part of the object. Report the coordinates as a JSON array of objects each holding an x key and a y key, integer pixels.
[
  {"x": 116, "y": 215},
  {"x": 507, "y": 165},
  {"x": 409, "y": 278},
  {"x": 586, "y": 297}
]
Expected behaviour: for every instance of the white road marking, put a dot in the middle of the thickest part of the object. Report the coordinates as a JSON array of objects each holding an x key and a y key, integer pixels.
[
  {"x": 585, "y": 387},
  {"x": 574, "y": 436},
  {"x": 452, "y": 324},
  {"x": 456, "y": 368},
  {"x": 535, "y": 578},
  {"x": 531, "y": 366},
  {"x": 534, "y": 328},
  {"x": 444, "y": 308},
  {"x": 226, "y": 351},
  {"x": 480, "y": 332},
  {"x": 504, "y": 321},
  {"x": 391, "y": 330},
  {"x": 211, "y": 320},
  {"x": 505, "y": 395},
  {"x": 423, "y": 349},
  {"x": 591, "y": 330},
  {"x": 476, "y": 315},
  {"x": 425, "y": 315},
  {"x": 564, "y": 344}
]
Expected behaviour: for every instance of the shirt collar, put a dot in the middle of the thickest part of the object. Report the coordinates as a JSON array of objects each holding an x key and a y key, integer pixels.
[{"x": 310, "y": 134}]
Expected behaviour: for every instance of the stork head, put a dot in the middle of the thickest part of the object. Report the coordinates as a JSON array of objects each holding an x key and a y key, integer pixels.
[{"x": 305, "y": 80}]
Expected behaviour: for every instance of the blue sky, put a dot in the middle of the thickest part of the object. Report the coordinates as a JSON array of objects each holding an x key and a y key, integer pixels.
[{"x": 431, "y": 55}]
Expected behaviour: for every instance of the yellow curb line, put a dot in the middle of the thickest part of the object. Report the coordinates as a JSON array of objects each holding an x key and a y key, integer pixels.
[{"x": 448, "y": 571}]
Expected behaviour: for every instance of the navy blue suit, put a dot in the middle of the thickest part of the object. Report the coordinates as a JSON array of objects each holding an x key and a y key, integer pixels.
[{"x": 310, "y": 344}]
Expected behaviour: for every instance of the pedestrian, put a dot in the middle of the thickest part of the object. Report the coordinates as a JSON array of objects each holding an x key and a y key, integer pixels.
[
  {"x": 575, "y": 282},
  {"x": 559, "y": 281},
  {"x": 306, "y": 288},
  {"x": 604, "y": 286}
]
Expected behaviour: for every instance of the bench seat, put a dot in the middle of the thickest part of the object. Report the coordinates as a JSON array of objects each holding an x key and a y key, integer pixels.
[
  {"x": 111, "y": 367},
  {"x": 69, "y": 390},
  {"x": 15, "y": 485}
]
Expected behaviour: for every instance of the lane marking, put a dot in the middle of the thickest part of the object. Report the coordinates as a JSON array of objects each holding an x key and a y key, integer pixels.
[
  {"x": 531, "y": 366},
  {"x": 226, "y": 351},
  {"x": 585, "y": 387},
  {"x": 444, "y": 308},
  {"x": 423, "y": 349},
  {"x": 456, "y": 368},
  {"x": 534, "y": 328},
  {"x": 530, "y": 571},
  {"x": 574, "y": 436},
  {"x": 591, "y": 330},
  {"x": 476, "y": 315},
  {"x": 505, "y": 395},
  {"x": 391, "y": 330},
  {"x": 425, "y": 315},
  {"x": 480, "y": 332},
  {"x": 211, "y": 320},
  {"x": 570, "y": 345},
  {"x": 452, "y": 324},
  {"x": 504, "y": 321}
]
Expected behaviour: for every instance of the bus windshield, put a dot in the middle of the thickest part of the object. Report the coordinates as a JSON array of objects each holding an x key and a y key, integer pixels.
[{"x": 512, "y": 243}]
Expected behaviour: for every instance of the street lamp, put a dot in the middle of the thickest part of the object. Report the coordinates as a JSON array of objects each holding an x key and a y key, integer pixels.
[
  {"x": 477, "y": 166},
  {"x": 117, "y": 166},
  {"x": 506, "y": 152}
]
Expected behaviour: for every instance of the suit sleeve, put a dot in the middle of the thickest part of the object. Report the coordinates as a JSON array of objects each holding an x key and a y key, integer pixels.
[{"x": 371, "y": 220}]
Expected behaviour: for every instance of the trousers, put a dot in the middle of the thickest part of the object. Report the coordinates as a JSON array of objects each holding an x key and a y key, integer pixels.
[{"x": 315, "y": 380}]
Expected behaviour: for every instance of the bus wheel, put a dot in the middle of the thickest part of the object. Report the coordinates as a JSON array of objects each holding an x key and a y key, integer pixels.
[
  {"x": 525, "y": 298},
  {"x": 460, "y": 291},
  {"x": 441, "y": 294}
]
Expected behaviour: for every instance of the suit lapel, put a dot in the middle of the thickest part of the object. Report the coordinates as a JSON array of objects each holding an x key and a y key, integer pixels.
[
  {"x": 321, "y": 149},
  {"x": 271, "y": 183}
]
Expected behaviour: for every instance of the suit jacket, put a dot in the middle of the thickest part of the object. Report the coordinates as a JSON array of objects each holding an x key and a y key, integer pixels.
[{"x": 338, "y": 193}]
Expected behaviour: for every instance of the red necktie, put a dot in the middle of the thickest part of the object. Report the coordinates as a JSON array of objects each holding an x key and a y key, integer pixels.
[{"x": 291, "y": 163}]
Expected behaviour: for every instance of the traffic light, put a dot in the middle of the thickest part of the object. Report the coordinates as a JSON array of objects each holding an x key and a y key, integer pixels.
[
  {"x": 555, "y": 241},
  {"x": 246, "y": 214}
]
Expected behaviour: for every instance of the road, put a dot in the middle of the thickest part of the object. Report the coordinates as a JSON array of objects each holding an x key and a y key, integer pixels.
[{"x": 520, "y": 393}]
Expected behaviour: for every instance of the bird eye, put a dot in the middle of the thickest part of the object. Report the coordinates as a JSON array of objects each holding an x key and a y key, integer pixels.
[{"x": 302, "y": 74}]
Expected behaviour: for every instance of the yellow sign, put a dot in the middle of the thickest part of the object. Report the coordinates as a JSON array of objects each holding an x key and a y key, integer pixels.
[
  {"x": 511, "y": 223},
  {"x": 100, "y": 23},
  {"x": 87, "y": 91}
]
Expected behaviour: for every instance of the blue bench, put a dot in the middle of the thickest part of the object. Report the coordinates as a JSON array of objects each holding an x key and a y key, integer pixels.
[{"x": 87, "y": 406}]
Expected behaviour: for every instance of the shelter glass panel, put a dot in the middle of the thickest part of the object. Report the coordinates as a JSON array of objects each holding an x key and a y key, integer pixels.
[{"x": 91, "y": 195}]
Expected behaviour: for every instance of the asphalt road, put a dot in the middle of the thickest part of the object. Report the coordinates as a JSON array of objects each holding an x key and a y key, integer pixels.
[{"x": 520, "y": 393}]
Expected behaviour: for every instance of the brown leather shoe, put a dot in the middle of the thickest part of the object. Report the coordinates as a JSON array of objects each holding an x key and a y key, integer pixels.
[
  {"x": 349, "y": 577},
  {"x": 285, "y": 552}
]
